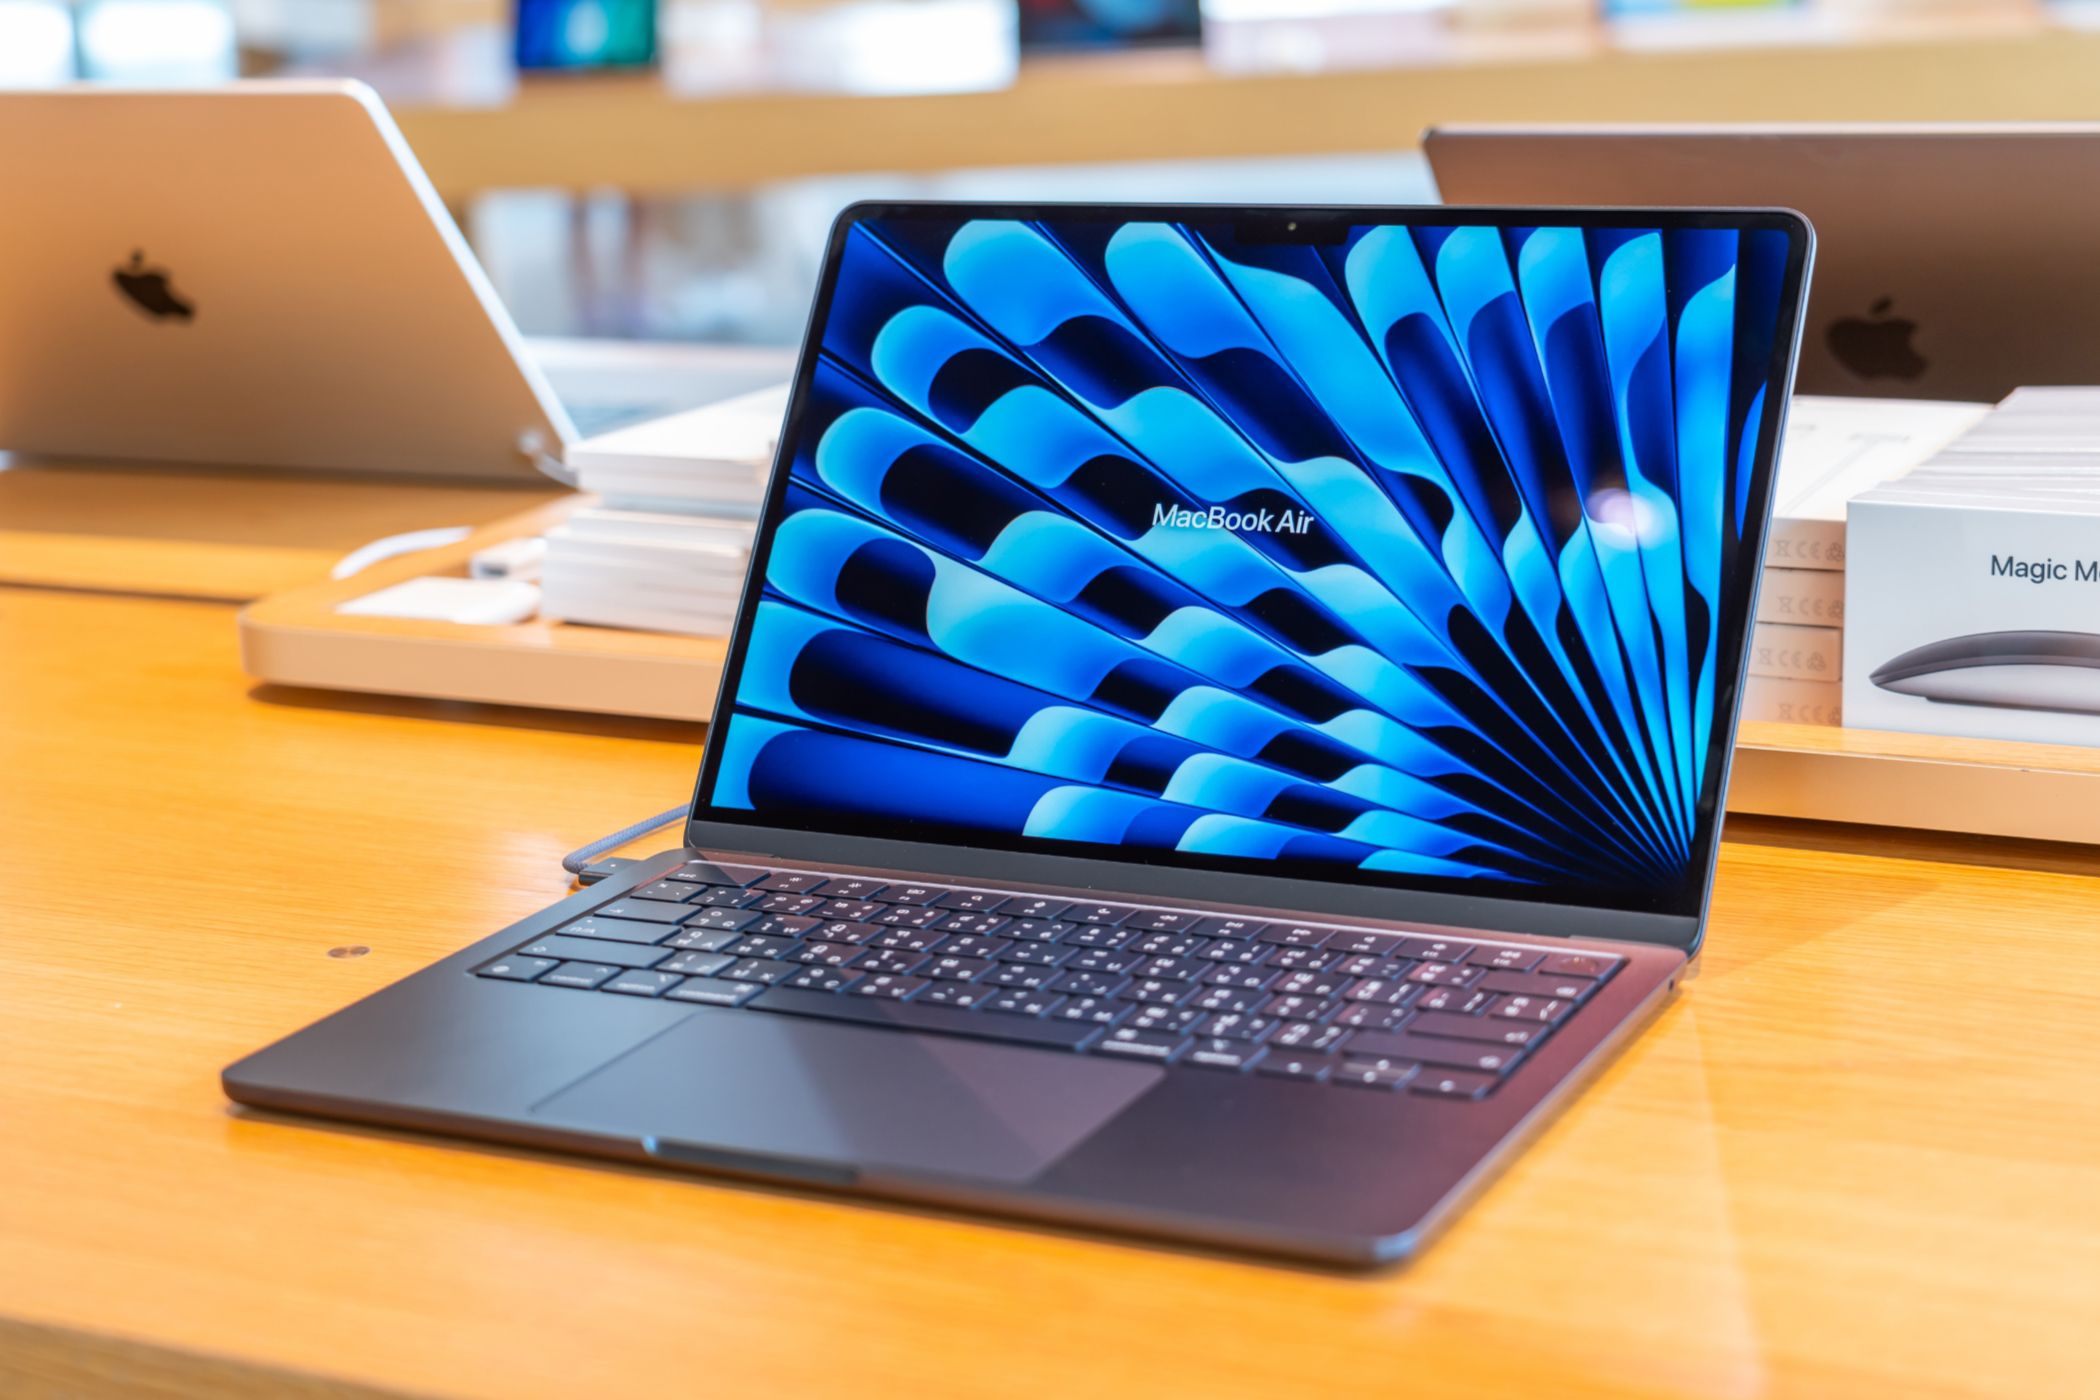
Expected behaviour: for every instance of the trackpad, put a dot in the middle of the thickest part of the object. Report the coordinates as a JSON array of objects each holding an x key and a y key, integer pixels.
[{"x": 725, "y": 1085}]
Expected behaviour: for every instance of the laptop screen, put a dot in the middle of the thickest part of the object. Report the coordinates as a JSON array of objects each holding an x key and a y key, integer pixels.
[{"x": 1403, "y": 553}]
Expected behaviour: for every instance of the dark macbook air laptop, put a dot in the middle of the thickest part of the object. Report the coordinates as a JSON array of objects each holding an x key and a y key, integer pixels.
[
  {"x": 1957, "y": 258},
  {"x": 1225, "y": 730}
]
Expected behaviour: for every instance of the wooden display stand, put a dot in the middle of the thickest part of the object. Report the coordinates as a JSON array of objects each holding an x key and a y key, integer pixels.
[
  {"x": 298, "y": 638},
  {"x": 2047, "y": 792},
  {"x": 222, "y": 534}
]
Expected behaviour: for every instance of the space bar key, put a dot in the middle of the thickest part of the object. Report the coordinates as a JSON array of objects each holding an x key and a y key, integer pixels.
[{"x": 944, "y": 1020}]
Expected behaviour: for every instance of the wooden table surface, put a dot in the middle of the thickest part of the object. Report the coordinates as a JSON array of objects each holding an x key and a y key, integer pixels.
[{"x": 1859, "y": 1157}]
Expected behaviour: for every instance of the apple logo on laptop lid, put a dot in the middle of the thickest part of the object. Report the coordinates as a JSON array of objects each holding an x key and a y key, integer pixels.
[
  {"x": 1877, "y": 345},
  {"x": 149, "y": 289}
]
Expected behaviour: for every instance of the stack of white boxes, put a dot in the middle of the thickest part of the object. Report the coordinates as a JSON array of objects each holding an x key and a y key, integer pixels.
[
  {"x": 666, "y": 548},
  {"x": 1835, "y": 449}
]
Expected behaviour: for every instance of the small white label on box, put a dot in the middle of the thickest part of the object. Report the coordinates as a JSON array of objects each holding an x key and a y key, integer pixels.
[
  {"x": 1812, "y": 596},
  {"x": 1798, "y": 653}
]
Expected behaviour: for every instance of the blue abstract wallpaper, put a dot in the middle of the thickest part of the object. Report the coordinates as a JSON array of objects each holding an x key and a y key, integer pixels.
[{"x": 1402, "y": 553}]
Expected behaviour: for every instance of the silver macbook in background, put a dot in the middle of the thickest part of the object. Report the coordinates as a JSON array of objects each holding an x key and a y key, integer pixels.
[
  {"x": 1954, "y": 262},
  {"x": 262, "y": 275}
]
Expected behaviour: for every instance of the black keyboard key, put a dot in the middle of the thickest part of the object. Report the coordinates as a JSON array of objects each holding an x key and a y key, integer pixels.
[
  {"x": 1088, "y": 984},
  {"x": 1283, "y": 1064},
  {"x": 1022, "y": 976},
  {"x": 1231, "y": 928},
  {"x": 788, "y": 925},
  {"x": 1094, "y": 1011},
  {"x": 1457, "y": 1000},
  {"x": 1433, "y": 1050},
  {"x": 724, "y": 897},
  {"x": 703, "y": 940},
  {"x": 1308, "y": 1037},
  {"x": 1534, "y": 984},
  {"x": 1040, "y": 954},
  {"x": 1009, "y": 1001},
  {"x": 839, "y": 931},
  {"x": 849, "y": 887},
  {"x": 516, "y": 969},
  {"x": 918, "y": 1016},
  {"x": 1587, "y": 965},
  {"x": 970, "y": 945},
  {"x": 1380, "y": 990},
  {"x": 847, "y": 910},
  {"x": 1297, "y": 935},
  {"x": 1300, "y": 959},
  {"x": 1372, "y": 1016},
  {"x": 908, "y": 940},
  {"x": 894, "y": 962},
  {"x": 1453, "y": 1084},
  {"x": 910, "y": 916},
  {"x": 670, "y": 891},
  {"x": 594, "y": 950},
  {"x": 642, "y": 984},
  {"x": 1037, "y": 930},
  {"x": 618, "y": 930},
  {"x": 1326, "y": 984},
  {"x": 968, "y": 921},
  {"x": 1108, "y": 914},
  {"x": 1238, "y": 1056},
  {"x": 696, "y": 964},
  {"x": 791, "y": 881},
  {"x": 823, "y": 979},
  {"x": 1170, "y": 969},
  {"x": 960, "y": 994},
  {"x": 1168, "y": 945},
  {"x": 1297, "y": 1008},
  {"x": 581, "y": 975},
  {"x": 1227, "y": 999},
  {"x": 1162, "y": 920},
  {"x": 1437, "y": 974},
  {"x": 823, "y": 954},
  {"x": 1032, "y": 906},
  {"x": 977, "y": 901},
  {"x": 1237, "y": 1025},
  {"x": 1506, "y": 959},
  {"x": 735, "y": 920},
  {"x": 911, "y": 894},
  {"x": 1110, "y": 961},
  {"x": 1539, "y": 1009},
  {"x": 759, "y": 946},
  {"x": 1237, "y": 954},
  {"x": 1441, "y": 950},
  {"x": 1159, "y": 1047},
  {"x": 763, "y": 971},
  {"x": 1096, "y": 936},
  {"x": 1489, "y": 1029},
  {"x": 782, "y": 902},
  {"x": 713, "y": 991},
  {"x": 1246, "y": 979},
  {"x": 647, "y": 909},
  {"x": 1181, "y": 1020},
  {"x": 1158, "y": 991},
  {"x": 1372, "y": 1074},
  {"x": 1383, "y": 945},
  {"x": 952, "y": 969}
]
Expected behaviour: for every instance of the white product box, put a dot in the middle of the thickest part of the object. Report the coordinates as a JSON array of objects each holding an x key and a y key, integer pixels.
[
  {"x": 1812, "y": 596},
  {"x": 1836, "y": 448},
  {"x": 1776, "y": 700},
  {"x": 1796, "y": 653},
  {"x": 1974, "y": 615}
]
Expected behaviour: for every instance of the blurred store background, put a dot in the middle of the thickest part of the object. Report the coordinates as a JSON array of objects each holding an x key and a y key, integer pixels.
[{"x": 667, "y": 168}]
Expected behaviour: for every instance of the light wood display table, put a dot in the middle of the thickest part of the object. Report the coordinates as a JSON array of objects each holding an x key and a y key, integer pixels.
[{"x": 1860, "y": 1155}]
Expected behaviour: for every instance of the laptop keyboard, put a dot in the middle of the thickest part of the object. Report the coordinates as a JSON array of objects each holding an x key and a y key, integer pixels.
[{"x": 1383, "y": 1011}]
